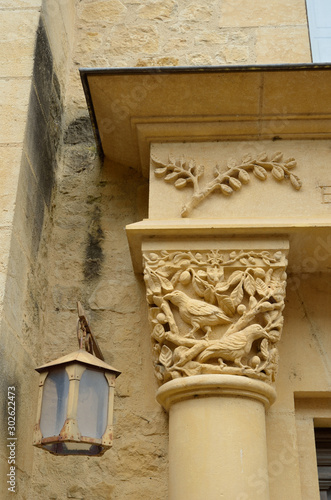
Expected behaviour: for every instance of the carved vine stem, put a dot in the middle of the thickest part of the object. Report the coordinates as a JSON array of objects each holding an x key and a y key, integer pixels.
[
  {"x": 181, "y": 173},
  {"x": 215, "y": 312}
]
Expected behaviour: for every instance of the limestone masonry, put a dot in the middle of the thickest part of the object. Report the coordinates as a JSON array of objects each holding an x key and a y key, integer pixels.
[{"x": 199, "y": 245}]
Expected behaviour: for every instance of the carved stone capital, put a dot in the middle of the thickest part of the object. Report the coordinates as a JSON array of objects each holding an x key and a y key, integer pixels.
[{"x": 216, "y": 311}]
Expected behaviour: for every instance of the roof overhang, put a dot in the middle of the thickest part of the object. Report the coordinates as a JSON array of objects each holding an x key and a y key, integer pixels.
[{"x": 132, "y": 107}]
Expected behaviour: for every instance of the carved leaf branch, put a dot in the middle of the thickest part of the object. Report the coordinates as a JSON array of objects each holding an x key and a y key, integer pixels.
[
  {"x": 244, "y": 305},
  {"x": 182, "y": 173}
]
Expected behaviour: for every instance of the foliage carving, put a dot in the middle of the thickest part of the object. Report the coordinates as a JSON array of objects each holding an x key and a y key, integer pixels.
[
  {"x": 183, "y": 173},
  {"x": 215, "y": 312}
]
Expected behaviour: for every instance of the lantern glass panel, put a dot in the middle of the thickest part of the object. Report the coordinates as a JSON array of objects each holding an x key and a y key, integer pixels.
[
  {"x": 54, "y": 405},
  {"x": 92, "y": 411}
]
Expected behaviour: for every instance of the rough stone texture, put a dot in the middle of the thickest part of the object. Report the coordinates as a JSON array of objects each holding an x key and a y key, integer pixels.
[
  {"x": 106, "y": 12},
  {"x": 124, "y": 40},
  {"x": 95, "y": 268},
  {"x": 14, "y": 98},
  {"x": 31, "y": 105},
  {"x": 275, "y": 45},
  {"x": 158, "y": 10},
  {"x": 62, "y": 238},
  {"x": 59, "y": 21},
  {"x": 261, "y": 13},
  {"x": 181, "y": 33}
]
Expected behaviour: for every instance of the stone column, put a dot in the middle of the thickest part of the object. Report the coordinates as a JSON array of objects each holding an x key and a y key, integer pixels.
[
  {"x": 216, "y": 297},
  {"x": 216, "y": 314},
  {"x": 217, "y": 437}
]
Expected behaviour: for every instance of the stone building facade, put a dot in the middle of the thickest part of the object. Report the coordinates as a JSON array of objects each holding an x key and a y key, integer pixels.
[{"x": 64, "y": 211}]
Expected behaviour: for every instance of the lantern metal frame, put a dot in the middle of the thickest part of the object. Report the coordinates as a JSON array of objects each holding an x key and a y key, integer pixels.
[{"x": 75, "y": 365}]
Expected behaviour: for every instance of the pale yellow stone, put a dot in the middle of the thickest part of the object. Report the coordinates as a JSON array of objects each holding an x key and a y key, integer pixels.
[
  {"x": 20, "y": 4},
  {"x": 159, "y": 9},
  {"x": 211, "y": 38},
  {"x": 196, "y": 12},
  {"x": 138, "y": 460},
  {"x": 240, "y": 37},
  {"x": 90, "y": 43},
  {"x": 106, "y": 296},
  {"x": 68, "y": 12},
  {"x": 235, "y": 54},
  {"x": 283, "y": 455},
  {"x": 9, "y": 172},
  {"x": 14, "y": 98},
  {"x": 60, "y": 41},
  {"x": 3, "y": 277},
  {"x": 262, "y": 13},
  {"x": 207, "y": 425},
  {"x": 5, "y": 238},
  {"x": 10, "y": 169},
  {"x": 155, "y": 61},
  {"x": 136, "y": 39},
  {"x": 166, "y": 201},
  {"x": 16, "y": 287},
  {"x": 16, "y": 26},
  {"x": 16, "y": 58},
  {"x": 282, "y": 45},
  {"x": 106, "y": 12},
  {"x": 175, "y": 44},
  {"x": 200, "y": 60}
]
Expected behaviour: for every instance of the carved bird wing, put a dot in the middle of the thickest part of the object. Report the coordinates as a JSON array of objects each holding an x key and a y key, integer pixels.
[
  {"x": 222, "y": 348},
  {"x": 200, "y": 308},
  {"x": 233, "y": 342}
]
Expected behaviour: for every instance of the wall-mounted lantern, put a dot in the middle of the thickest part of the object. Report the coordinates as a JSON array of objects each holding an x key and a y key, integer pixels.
[{"x": 76, "y": 399}]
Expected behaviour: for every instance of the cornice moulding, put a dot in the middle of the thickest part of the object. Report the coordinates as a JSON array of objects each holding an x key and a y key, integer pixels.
[
  {"x": 132, "y": 107},
  {"x": 310, "y": 241}
]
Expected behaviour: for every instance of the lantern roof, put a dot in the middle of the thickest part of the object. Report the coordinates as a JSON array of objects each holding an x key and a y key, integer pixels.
[{"x": 80, "y": 356}]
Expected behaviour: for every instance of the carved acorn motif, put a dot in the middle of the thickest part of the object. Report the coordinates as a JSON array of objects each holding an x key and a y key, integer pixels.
[
  {"x": 185, "y": 278},
  {"x": 234, "y": 324}
]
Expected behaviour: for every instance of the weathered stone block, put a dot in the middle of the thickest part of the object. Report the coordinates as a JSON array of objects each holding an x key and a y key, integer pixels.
[
  {"x": 9, "y": 173},
  {"x": 261, "y": 13},
  {"x": 124, "y": 40},
  {"x": 14, "y": 97},
  {"x": 39, "y": 147},
  {"x": 5, "y": 235},
  {"x": 235, "y": 54},
  {"x": 282, "y": 45},
  {"x": 109, "y": 295},
  {"x": 159, "y": 9},
  {"x": 16, "y": 58},
  {"x": 21, "y": 4},
  {"x": 155, "y": 61},
  {"x": 106, "y": 12},
  {"x": 43, "y": 69},
  {"x": 59, "y": 40},
  {"x": 16, "y": 26},
  {"x": 196, "y": 12},
  {"x": 200, "y": 60}
]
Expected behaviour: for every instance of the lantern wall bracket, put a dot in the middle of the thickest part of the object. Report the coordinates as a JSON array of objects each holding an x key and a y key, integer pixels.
[{"x": 85, "y": 335}]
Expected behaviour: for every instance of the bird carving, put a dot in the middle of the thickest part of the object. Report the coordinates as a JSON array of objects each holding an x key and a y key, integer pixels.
[
  {"x": 234, "y": 347},
  {"x": 197, "y": 313}
]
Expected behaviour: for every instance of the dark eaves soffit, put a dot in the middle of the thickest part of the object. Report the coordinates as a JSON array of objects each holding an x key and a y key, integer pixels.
[{"x": 132, "y": 107}]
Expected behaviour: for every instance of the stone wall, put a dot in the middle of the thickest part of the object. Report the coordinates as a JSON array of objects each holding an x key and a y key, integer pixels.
[
  {"x": 62, "y": 234},
  {"x": 32, "y": 109},
  {"x": 19, "y": 24},
  {"x": 187, "y": 33}
]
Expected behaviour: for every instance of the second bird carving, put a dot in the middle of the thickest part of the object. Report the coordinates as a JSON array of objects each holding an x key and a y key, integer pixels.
[{"x": 214, "y": 312}]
